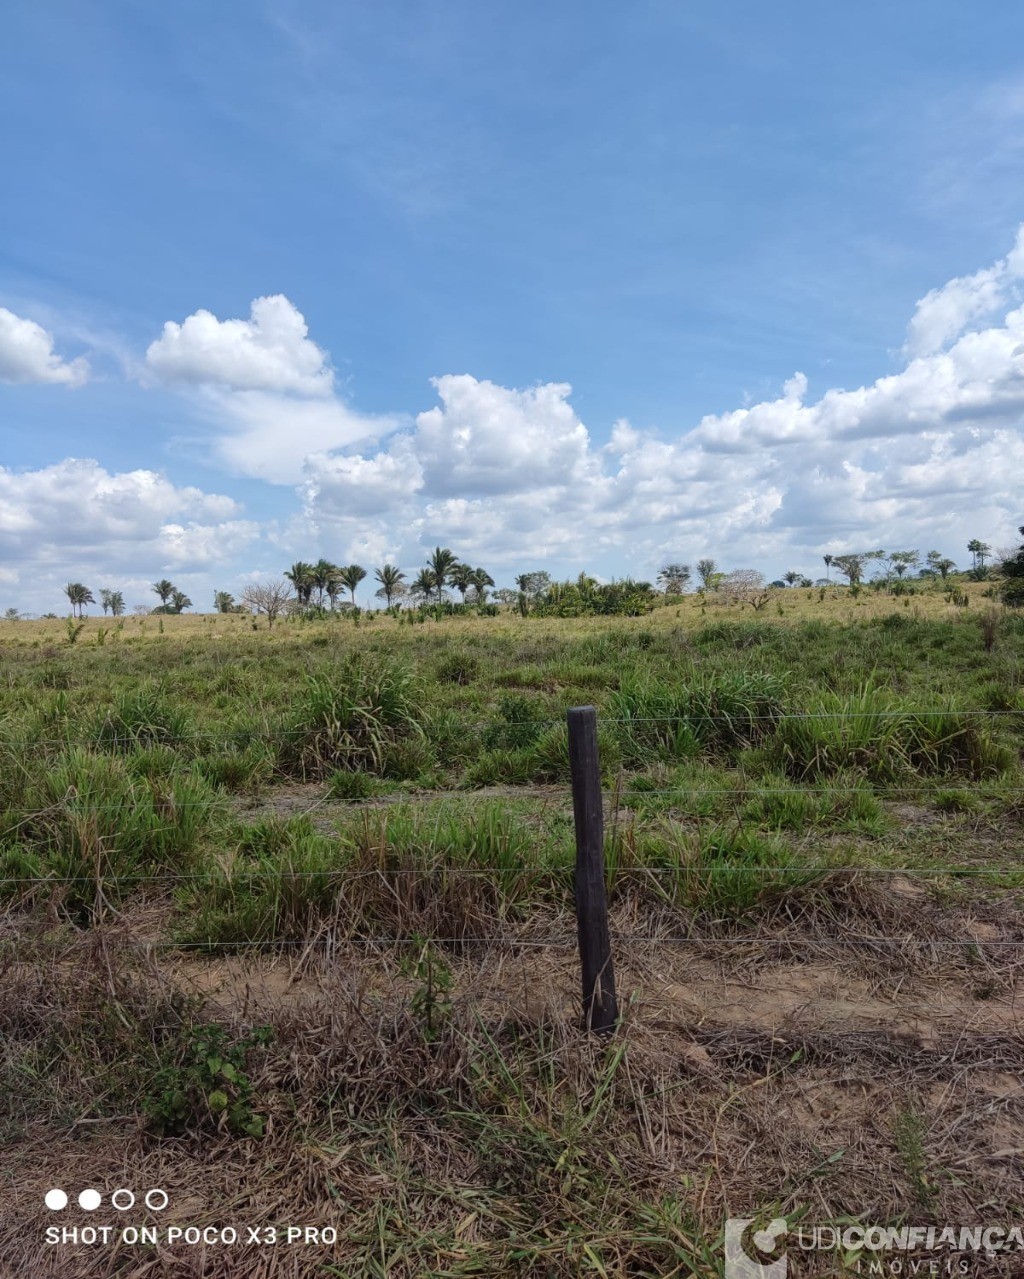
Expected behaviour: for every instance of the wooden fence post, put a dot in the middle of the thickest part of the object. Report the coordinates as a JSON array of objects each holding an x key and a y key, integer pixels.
[{"x": 600, "y": 1011}]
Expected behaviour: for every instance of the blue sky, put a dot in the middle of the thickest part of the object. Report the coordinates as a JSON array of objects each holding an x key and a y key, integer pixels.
[{"x": 577, "y": 286}]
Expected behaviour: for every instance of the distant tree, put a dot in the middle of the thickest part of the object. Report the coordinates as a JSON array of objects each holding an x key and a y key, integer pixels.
[
  {"x": 105, "y": 596},
  {"x": 391, "y": 579},
  {"x": 892, "y": 564},
  {"x": 179, "y": 602},
  {"x": 423, "y": 584},
  {"x": 903, "y": 560},
  {"x": 116, "y": 604},
  {"x": 350, "y": 576},
  {"x": 745, "y": 586},
  {"x": 480, "y": 582},
  {"x": 442, "y": 564},
  {"x": 938, "y": 563},
  {"x": 506, "y": 595},
  {"x": 78, "y": 596},
  {"x": 461, "y": 577},
  {"x": 141, "y": 610},
  {"x": 674, "y": 578},
  {"x": 270, "y": 598},
  {"x": 828, "y": 565},
  {"x": 12, "y": 615},
  {"x": 165, "y": 590},
  {"x": 301, "y": 577},
  {"x": 980, "y": 551},
  {"x": 323, "y": 572},
  {"x": 706, "y": 570},
  {"x": 852, "y": 566},
  {"x": 534, "y": 585},
  {"x": 791, "y": 578},
  {"x": 224, "y": 602},
  {"x": 1012, "y": 569}
]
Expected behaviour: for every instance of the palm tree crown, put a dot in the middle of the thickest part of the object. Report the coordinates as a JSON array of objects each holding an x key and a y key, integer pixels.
[
  {"x": 350, "y": 576},
  {"x": 390, "y": 578},
  {"x": 78, "y": 595},
  {"x": 441, "y": 564}
]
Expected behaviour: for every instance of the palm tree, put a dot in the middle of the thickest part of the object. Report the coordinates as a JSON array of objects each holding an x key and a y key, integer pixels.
[
  {"x": 480, "y": 580},
  {"x": 301, "y": 577},
  {"x": 461, "y": 577},
  {"x": 442, "y": 563},
  {"x": 390, "y": 578},
  {"x": 180, "y": 601},
  {"x": 105, "y": 600},
  {"x": 224, "y": 602},
  {"x": 424, "y": 583},
  {"x": 350, "y": 576},
  {"x": 979, "y": 550},
  {"x": 78, "y": 595},
  {"x": 323, "y": 572},
  {"x": 164, "y": 589},
  {"x": 828, "y": 566},
  {"x": 116, "y": 604},
  {"x": 791, "y": 578}
]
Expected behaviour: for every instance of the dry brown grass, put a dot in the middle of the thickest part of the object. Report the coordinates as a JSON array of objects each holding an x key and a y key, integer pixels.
[{"x": 798, "y": 1067}]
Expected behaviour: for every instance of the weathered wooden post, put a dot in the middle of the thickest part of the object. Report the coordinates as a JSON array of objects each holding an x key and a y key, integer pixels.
[{"x": 600, "y": 1011}]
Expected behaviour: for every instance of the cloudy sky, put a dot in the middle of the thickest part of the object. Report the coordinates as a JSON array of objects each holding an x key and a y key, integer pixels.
[{"x": 586, "y": 285}]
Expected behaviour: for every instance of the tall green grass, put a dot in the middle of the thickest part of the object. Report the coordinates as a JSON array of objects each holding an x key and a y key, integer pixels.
[
  {"x": 717, "y": 713},
  {"x": 872, "y": 734},
  {"x": 354, "y": 719}
]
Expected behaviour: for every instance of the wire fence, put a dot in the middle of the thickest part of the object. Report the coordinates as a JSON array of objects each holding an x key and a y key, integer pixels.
[
  {"x": 628, "y": 795},
  {"x": 242, "y": 735}
]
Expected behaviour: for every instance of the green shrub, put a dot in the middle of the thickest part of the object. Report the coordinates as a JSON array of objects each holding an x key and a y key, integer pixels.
[
  {"x": 517, "y": 726},
  {"x": 719, "y": 714},
  {"x": 140, "y": 719},
  {"x": 868, "y": 733},
  {"x": 458, "y": 668},
  {"x": 205, "y": 1086},
  {"x": 352, "y": 720},
  {"x": 97, "y": 830},
  {"x": 348, "y": 786}
]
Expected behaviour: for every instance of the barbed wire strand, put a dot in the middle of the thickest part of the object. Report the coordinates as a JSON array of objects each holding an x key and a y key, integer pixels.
[{"x": 740, "y": 717}]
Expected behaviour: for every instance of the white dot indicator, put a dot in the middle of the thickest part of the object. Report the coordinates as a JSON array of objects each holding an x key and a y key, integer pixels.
[
  {"x": 90, "y": 1200},
  {"x": 56, "y": 1200},
  {"x": 122, "y": 1200},
  {"x": 156, "y": 1199}
]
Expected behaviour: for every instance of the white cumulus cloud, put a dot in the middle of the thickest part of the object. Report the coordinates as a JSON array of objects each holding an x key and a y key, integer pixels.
[
  {"x": 27, "y": 354},
  {"x": 270, "y": 351},
  {"x": 944, "y": 313},
  {"x": 76, "y": 515},
  {"x": 931, "y": 454},
  {"x": 262, "y": 386}
]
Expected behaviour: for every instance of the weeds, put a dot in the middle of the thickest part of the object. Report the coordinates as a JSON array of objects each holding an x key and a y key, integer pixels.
[
  {"x": 353, "y": 720},
  {"x": 206, "y": 1086}
]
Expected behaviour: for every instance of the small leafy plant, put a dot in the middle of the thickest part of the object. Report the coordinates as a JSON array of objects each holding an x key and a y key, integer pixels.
[
  {"x": 431, "y": 999},
  {"x": 207, "y": 1086}
]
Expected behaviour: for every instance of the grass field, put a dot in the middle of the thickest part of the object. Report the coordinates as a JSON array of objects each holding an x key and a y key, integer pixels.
[{"x": 287, "y": 931}]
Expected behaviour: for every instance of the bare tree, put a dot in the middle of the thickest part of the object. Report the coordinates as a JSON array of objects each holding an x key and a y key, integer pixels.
[
  {"x": 745, "y": 586},
  {"x": 270, "y": 598}
]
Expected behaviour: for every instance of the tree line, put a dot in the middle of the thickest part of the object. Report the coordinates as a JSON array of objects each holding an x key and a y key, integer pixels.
[
  {"x": 319, "y": 585},
  {"x": 443, "y": 569}
]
